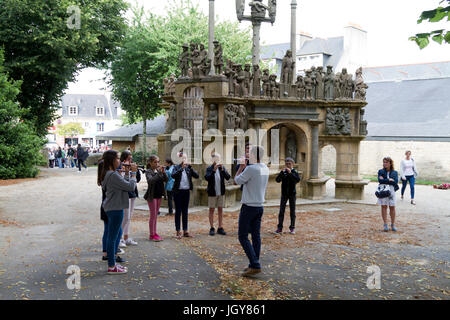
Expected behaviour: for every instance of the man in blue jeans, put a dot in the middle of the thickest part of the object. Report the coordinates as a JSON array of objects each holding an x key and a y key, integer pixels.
[{"x": 254, "y": 179}]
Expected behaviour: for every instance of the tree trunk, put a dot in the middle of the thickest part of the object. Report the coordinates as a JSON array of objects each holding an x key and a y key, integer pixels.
[{"x": 144, "y": 137}]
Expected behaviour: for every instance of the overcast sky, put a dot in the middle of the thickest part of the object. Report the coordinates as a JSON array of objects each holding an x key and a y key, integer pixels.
[{"x": 388, "y": 23}]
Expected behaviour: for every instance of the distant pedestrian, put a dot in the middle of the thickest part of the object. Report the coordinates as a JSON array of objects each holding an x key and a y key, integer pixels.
[
  {"x": 126, "y": 159},
  {"x": 216, "y": 174},
  {"x": 289, "y": 178},
  {"x": 104, "y": 218},
  {"x": 116, "y": 188},
  {"x": 183, "y": 174},
  {"x": 388, "y": 176},
  {"x": 169, "y": 184},
  {"x": 82, "y": 155},
  {"x": 156, "y": 176},
  {"x": 59, "y": 157},
  {"x": 254, "y": 178},
  {"x": 51, "y": 159},
  {"x": 409, "y": 174},
  {"x": 70, "y": 155}
]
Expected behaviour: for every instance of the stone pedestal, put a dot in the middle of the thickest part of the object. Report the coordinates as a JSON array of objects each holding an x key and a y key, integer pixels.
[
  {"x": 350, "y": 190},
  {"x": 165, "y": 146},
  {"x": 317, "y": 188}
]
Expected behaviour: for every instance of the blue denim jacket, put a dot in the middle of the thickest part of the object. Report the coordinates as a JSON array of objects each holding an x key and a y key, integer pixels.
[
  {"x": 170, "y": 182},
  {"x": 393, "y": 174}
]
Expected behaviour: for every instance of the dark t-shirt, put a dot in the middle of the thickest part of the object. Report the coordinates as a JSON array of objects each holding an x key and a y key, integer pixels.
[{"x": 159, "y": 189}]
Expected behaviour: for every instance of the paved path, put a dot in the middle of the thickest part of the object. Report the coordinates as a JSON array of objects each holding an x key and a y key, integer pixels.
[{"x": 53, "y": 222}]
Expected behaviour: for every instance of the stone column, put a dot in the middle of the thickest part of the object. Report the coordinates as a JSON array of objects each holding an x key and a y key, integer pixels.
[
  {"x": 294, "y": 35},
  {"x": 314, "y": 172},
  {"x": 212, "y": 71},
  {"x": 256, "y": 38}
]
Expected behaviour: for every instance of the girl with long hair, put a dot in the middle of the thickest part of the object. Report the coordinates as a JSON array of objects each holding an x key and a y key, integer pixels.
[{"x": 388, "y": 176}]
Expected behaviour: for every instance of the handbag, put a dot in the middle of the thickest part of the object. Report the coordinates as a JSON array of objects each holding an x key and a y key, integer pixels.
[{"x": 383, "y": 191}]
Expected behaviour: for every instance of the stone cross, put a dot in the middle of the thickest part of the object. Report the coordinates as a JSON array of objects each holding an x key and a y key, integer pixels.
[
  {"x": 258, "y": 15},
  {"x": 294, "y": 34}
]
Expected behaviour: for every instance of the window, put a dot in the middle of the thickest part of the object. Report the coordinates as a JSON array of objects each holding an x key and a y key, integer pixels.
[
  {"x": 73, "y": 110},
  {"x": 100, "y": 127},
  {"x": 100, "y": 111}
]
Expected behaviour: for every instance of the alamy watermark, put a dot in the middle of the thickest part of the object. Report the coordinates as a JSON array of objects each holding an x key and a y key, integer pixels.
[
  {"x": 73, "y": 282},
  {"x": 374, "y": 280},
  {"x": 74, "y": 20}
]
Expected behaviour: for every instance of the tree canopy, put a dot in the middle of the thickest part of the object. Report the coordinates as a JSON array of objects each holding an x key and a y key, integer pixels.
[
  {"x": 19, "y": 146},
  {"x": 71, "y": 129},
  {"x": 47, "y": 42},
  {"x": 151, "y": 49},
  {"x": 435, "y": 15}
]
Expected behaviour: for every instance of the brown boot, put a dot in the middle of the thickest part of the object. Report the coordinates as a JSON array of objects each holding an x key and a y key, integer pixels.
[{"x": 250, "y": 271}]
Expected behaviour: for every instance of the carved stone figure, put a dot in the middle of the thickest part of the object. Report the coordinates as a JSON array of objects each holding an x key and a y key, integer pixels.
[
  {"x": 347, "y": 85},
  {"x": 192, "y": 49},
  {"x": 240, "y": 78},
  {"x": 272, "y": 10},
  {"x": 229, "y": 116},
  {"x": 308, "y": 85},
  {"x": 300, "y": 86},
  {"x": 274, "y": 87},
  {"x": 258, "y": 9},
  {"x": 203, "y": 53},
  {"x": 184, "y": 60},
  {"x": 247, "y": 80},
  {"x": 218, "y": 57},
  {"x": 319, "y": 83},
  {"x": 171, "y": 123},
  {"x": 256, "y": 81},
  {"x": 243, "y": 117},
  {"x": 229, "y": 73},
  {"x": 313, "y": 82},
  {"x": 236, "y": 85},
  {"x": 337, "y": 86},
  {"x": 328, "y": 83},
  {"x": 196, "y": 64},
  {"x": 205, "y": 67},
  {"x": 236, "y": 117},
  {"x": 212, "y": 116},
  {"x": 166, "y": 86},
  {"x": 362, "y": 123},
  {"x": 287, "y": 68},
  {"x": 266, "y": 83},
  {"x": 360, "y": 86},
  {"x": 330, "y": 122},
  {"x": 342, "y": 121},
  {"x": 171, "y": 85},
  {"x": 291, "y": 146}
]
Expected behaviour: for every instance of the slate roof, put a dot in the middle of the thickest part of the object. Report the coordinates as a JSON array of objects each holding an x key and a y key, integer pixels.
[
  {"x": 87, "y": 104},
  {"x": 410, "y": 71},
  {"x": 409, "y": 108},
  {"x": 155, "y": 127},
  {"x": 332, "y": 48}
]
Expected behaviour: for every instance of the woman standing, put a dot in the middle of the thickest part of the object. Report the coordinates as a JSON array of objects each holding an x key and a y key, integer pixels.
[
  {"x": 126, "y": 159},
  {"x": 156, "y": 176},
  {"x": 182, "y": 174},
  {"x": 409, "y": 174},
  {"x": 388, "y": 176},
  {"x": 116, "y": 189}
]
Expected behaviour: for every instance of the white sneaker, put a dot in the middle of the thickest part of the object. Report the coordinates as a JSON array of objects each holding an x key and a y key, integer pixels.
[
  {"x": 120, "y": 251},
  {"x": 130, "y": 242},
  {"x": 122, "y": 244}
]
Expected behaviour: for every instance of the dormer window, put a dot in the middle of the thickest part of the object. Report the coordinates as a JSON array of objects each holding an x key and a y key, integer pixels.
[
  {"x": 100, "y": 111},
  {"x": 73, "y": 110}
]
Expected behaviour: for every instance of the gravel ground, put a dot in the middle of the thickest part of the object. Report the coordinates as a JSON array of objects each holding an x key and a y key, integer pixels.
[{"x": 52, "y": 222}]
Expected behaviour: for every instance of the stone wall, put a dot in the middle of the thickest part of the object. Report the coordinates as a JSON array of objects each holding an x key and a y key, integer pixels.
[
  {"x": 432, "y": 158},
  {"x": 152, "y": 144}
]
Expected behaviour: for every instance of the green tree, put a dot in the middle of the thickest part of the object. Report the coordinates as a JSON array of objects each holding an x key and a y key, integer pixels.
[
  {"x": 435, "y": 15},
  {"x": 45, "y": 48},
  {"x": 19, "y": 145},
  {"x": 151, "y": 49},
  {"x": 71, "y": 129}
]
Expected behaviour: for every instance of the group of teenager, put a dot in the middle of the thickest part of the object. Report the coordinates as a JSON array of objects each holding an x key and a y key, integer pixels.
[
  {"x": 68, "y": 157},
  {"x": 118, "y": 178}
]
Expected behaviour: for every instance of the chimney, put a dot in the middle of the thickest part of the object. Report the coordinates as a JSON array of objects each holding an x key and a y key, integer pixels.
[
  {"x": 355, "y": 46},
  {"x": 303, "y": 37}
]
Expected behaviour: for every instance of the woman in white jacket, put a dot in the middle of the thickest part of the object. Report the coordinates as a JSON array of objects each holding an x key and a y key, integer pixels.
[{"x": 409, "y": 174}]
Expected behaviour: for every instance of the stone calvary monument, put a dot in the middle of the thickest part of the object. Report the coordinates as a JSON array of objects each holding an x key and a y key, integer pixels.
[{"x": 308, "y": 111}]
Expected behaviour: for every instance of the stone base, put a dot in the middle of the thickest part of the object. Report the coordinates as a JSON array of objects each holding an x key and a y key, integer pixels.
[
  {"x": 231, "y": 192},
  {"x": 350, "y": 190},
  {"x": 316, "y": 188}
]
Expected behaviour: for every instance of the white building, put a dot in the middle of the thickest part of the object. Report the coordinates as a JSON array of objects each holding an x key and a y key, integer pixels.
[
  {"x": 347, "y": 51},
  {"x": 96, "y": 113}
]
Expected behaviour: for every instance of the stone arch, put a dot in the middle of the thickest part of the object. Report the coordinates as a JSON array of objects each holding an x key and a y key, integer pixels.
[{"x": 327, "y": 159}]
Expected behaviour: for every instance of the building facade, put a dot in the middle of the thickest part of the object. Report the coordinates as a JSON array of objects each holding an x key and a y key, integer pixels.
[{"x": 95, "y": 113}]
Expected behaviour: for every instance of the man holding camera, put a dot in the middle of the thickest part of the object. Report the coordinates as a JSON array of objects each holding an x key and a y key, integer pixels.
[
  {"x": 216, "y": 174},
  {"x": 288, "y": 177}
]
